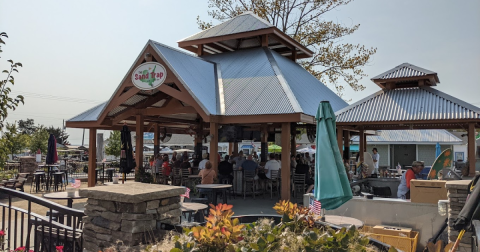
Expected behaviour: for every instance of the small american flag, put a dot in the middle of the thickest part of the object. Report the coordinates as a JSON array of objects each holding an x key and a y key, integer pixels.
[
  {"x": 77, "y": 183},
  {"x": 315, "y": 206},
  {"x": 187, "y": 193}
]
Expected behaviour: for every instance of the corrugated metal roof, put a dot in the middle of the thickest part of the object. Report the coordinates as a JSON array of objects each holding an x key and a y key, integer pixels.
[
  {"x": 412, "y": 136},
  {"x": 250, "y": 85},
  {"x": 89, "y": 115},
  {"x": 408, "y": 104},
  {"x": 308, "y": 90},
  {"x": 245, "y": 22},
  {"x": 402, "y": 71},
  {"x": 197, "y": 75}
]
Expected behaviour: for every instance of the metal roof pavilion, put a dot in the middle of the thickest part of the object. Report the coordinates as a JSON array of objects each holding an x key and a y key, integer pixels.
[
  {"x": 408, "y": 101},
  {"x": 254, "y": 83}
]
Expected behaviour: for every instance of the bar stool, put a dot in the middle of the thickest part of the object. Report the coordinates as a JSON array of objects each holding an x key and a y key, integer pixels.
[
  {"x": 58, "y": 180},
  {"x": 66, "y": 175},
  {"x": 38, "y": 181}
]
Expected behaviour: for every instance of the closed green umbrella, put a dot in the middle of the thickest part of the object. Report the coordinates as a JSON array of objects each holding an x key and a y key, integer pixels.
[{"x": 332, "y": 187}]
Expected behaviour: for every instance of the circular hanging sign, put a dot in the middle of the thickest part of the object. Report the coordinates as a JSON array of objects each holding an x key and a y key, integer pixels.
[{"x": 149, "y": 75}]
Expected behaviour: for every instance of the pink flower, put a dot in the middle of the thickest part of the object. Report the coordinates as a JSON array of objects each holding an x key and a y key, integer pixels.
[
  {"x": 59, "y": 248},
  {"x": 20, "y": 249},
  {"x": 2, "y": 233}
]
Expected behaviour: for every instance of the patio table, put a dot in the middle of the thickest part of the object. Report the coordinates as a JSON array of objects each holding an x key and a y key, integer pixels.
[
  {"x": 196, "y": 209},
  {"x": 63, "y": 196},
  {"x": 215, "y": 188}
]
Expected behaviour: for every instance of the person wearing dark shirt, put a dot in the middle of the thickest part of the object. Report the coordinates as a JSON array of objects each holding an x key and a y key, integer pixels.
[
  {"x": 225, "y": 169},
  {"x": 249, "y": 164},
  {"x": 305, "y": 169},
  {"x": 185, "y": 164}
]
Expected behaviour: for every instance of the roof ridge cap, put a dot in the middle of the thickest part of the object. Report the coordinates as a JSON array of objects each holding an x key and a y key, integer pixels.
[
  {"x": 175, "y": 49},
  {"x": 283, "y": 81}
]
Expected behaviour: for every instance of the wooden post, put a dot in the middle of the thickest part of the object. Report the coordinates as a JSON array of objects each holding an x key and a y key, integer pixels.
[
  {"x": 364, "y": 142},
  {"x": 235, "y": 148},
  {"x": 294, "y": 54},
  {"x": 361, "y": 149},
  {"x": 264, "y": 144},
  {"x": 139, "y": 142},
  {"x": 471, "y": 149},
  {"x": 156, "y": 140},
  {"x": 285, "y": 162},
  {"x": 293, "y": 143},
  {"x": 230, "y": 148},
  {"x": 346, "y": 143},
  {"x": 92, "y": 157},
  {"x": 340, "y": 139},
  {"x": 214, "y": 145},
  {"x": 199, "y": 138}
]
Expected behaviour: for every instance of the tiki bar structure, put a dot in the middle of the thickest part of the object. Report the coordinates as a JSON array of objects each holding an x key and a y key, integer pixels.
[
  {"x": 243, "y": 74},
  {"x": 408, "y": 100}
]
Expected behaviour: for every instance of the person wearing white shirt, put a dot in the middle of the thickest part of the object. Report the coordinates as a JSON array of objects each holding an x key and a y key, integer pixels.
[
  {"x": 271, "y": 165},
  {"x": 376, "y": 160},
  {"x": 202, "y": 163}
]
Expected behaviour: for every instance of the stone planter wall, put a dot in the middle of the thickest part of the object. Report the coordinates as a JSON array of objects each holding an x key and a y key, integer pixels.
[
  {"x": 28, "y": 165},
  {"x": 457, "y": 195},
  {"x": 132, "y": 213}
]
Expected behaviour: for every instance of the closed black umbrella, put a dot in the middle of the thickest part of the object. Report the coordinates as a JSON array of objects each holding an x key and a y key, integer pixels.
[
  {"x": 52, "y": 157},
  {"x": 127, "y": 162}
]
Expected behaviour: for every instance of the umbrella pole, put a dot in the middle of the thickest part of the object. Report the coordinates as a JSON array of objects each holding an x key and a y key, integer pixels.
[
  {"x": 123, "y": 178},
  {"x": 322, "y": 215}
]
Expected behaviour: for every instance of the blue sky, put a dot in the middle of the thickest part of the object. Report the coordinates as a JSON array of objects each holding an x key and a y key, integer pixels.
[{"x": 83, "y": 49}]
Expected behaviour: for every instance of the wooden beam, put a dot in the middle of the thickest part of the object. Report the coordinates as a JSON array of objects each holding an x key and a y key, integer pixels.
[
  {"x": 294, "y": 55},
  {"x": 200, "y": 50},
  {"x": 265, "y": 40},
  {"x": 169, "y": 111},
  {"x": 177, "y": 94},
  {"x": 285, "y": 169},
  {"x": 471, "y": 149},
  {"x": 92, "y": 157},
  {"x": 214, "y": 146},
  {"x": 246, "y": 119},
  {"x": 264, "y": 143},
  {"x": 139, "y": 143}
]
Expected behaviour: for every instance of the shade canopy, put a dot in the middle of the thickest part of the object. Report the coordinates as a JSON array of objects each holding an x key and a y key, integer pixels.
[
  {"x": 332, "y": 187},
  {"x": 274, "y": 148}
]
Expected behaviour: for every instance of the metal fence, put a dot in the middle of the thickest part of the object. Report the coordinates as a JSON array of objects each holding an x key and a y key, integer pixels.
[{"x": 24, "y": 228}]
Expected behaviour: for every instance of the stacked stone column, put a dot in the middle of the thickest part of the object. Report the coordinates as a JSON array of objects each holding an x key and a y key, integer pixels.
[
  {"x": 457, "y": 196},
  {"x": 130, "y": 214}
]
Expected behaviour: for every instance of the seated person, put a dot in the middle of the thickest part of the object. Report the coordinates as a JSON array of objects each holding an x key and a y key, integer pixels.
[
  {"x": 208, "y": 174},
  {"x": 249, "y": 164},
  {"x": 225, "y": 169},
  {"x": 185, "y": 164},
  {"x": 305, "y": 169},
  {"x": 404, "y": 187},
  {"x": 271, "y": 165}
]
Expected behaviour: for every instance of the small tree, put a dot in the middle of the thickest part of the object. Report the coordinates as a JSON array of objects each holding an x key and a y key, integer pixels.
[
  {"x": 14, "y": 141},
  {"x": 39, "y": 140},
  {"x": 27, "y": 126},
  {"x": 114, "y": 144},
  {"x": 7, "y": 102}
]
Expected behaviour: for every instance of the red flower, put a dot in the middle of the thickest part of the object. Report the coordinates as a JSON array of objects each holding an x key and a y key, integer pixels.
[
  {"x": 59, "y": 248},
  {"x": 20, "y": 249},
  {"x": 223, "y": 229},
  {"x": 2, "y": 233}
]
